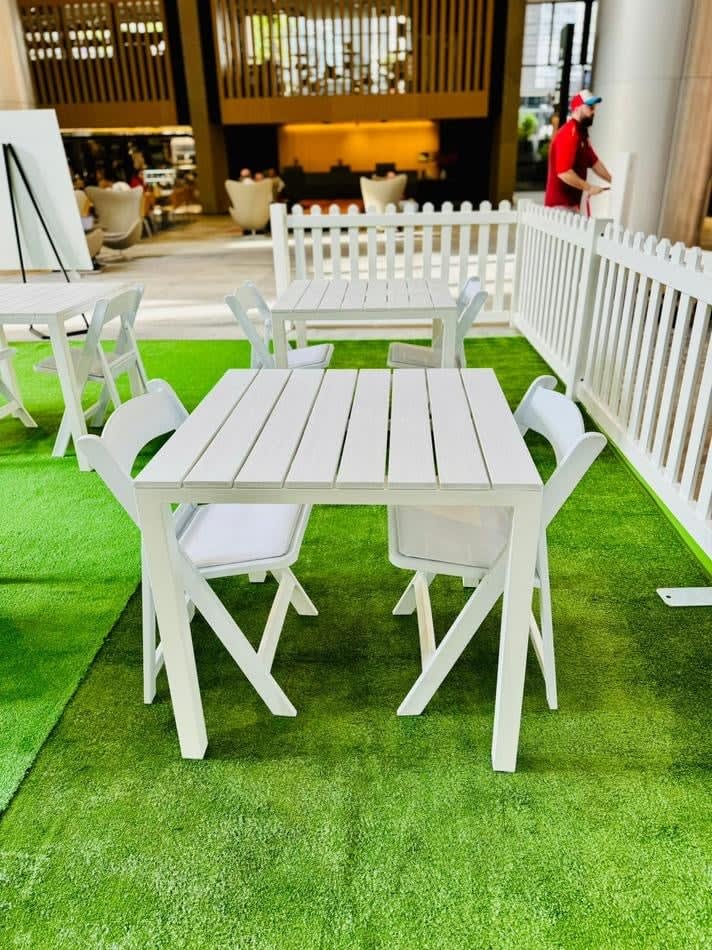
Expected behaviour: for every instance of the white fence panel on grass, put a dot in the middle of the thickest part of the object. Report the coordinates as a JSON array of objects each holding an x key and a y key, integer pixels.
[
  {"x": 555, "y": 278},
  {"x": 449, "y": 244},
  {"x": 648, "y": 374}
]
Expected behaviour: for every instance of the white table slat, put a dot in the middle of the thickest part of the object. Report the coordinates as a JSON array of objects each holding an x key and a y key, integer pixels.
[
  {"x": 292, "y": 295},
  {"x": 439, "y": 294},
  {"x": 419, "y": 294},
  {"x": 355, "y": 295},
  {"x": 224, "y": 456},
  {"x": 363, "y": 460},
  {"x": 376, "y": 295},
  {"x": 410, "y": 457},
  {"x": 317, "y": 458},
  {"x": 507, "y": 458},
  {"x": 334, "y": 295},
  {"x": 457, "y": 450},
  {"x": 271, "y": 456},
  {"x": 178, "y": 456},
  {"x": 398, "y": 296},
  {"x": 312, "y": 296}
]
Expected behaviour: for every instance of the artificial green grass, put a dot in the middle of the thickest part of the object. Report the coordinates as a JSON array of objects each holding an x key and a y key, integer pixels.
[
  {"x": 350, "y": 827},
  {"x": 70, "y": 557}
]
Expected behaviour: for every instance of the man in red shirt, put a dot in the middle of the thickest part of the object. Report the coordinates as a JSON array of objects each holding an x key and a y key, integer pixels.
[{"x": 571, "y": 155}]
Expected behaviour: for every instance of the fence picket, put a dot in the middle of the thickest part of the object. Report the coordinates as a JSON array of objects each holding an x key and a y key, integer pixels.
[{"x": 335, "y": 242}]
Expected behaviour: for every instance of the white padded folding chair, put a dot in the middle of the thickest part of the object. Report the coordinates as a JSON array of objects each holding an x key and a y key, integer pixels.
[
  {"x": 92, "y": 363},
  {"x": 469, "y": 303},
  {"x": 9, "y": 390},
  {"x": 248, "y": 298},
  {"x": 472, "y": 542},
  {"x": 219, "y": 540}
]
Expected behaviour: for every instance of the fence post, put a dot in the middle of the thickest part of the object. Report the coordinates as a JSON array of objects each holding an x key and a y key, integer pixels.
[
  {"x": 280, "y": 246},
  {"x": 518, "y": 245},
  {"x": 584, "y": 307}
]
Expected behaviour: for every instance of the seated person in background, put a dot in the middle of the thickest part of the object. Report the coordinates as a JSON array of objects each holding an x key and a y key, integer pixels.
[
  {"x": 139, "y": 163},
  {"x": 277, "y": 183},
  {"x": 246, "y": 176},
  {"x": 259, "y": 176},
  {"x": 390, "y": 174}
]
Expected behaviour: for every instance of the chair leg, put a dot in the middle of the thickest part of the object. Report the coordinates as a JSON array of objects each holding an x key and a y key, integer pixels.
[
  {"x": 300, "y": 600},
  {"x": 257, "y": 577},
  {"x": 148, "y": 612},
  {"x": 19, "y": 411},
  {"x": 276, "y": 618},
  {"x": 547, "y": 632},
  {"x": 406, "y": 605},
  {"x": 301, "y": 332},
  {"x": 98, "y": 416},
  {"x": 64, "y": 435},
  {"x": 426, "y": 632}
]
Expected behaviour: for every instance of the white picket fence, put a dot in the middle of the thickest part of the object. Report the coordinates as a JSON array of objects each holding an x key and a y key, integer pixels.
[
  {"x": 648, "y": 375},
  {"x": 449, "y": 244},
  {"x": 625, "y": 322},
  {"x": 555, "y": 277}
]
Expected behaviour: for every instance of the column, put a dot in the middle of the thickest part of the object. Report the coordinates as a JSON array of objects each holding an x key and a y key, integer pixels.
[
  {"x": 15, "y": 82},
  {"x": 210, "y": 154},
  {"x": 639, "y": 60},
  {"x": 690, "y": 166}
]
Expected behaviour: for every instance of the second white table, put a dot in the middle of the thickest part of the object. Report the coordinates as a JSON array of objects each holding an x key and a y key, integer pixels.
[{"x": 386, "y": 300}]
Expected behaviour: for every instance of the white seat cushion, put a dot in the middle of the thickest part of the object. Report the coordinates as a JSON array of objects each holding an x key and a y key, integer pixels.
[
  {"x": 232, "y": 534},
  {"x": 318, "y": 355},
  {"x": 410, "y": 354},
  {"x": 49, "y": 365},
  {"x": 471, "y": 537}
]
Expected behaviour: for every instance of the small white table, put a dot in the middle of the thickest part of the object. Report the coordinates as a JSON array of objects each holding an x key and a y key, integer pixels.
[
  {"x": 387, "y": 300},
  {"x": 54, "y": 304},
  {"x": 343, "y": 437}
]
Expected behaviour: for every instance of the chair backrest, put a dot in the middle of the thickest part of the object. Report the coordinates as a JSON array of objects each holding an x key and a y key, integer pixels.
[
  {"x": 118, "y": 211},
  {"x": 377, "y": 194},
  {"x": 250, "y": 202},
  {"x": 129, "y": 429},
  {"x": 124, "y": 306},
  {"x": 558, "y": 419},
  {"x": 241, "y": 302},
  {"x": 83, "y": 203},
  {"x": 467, "y": 317},
  {"x": 467, "y": 292}
]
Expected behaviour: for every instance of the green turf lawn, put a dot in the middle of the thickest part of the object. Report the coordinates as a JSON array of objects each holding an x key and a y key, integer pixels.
[{"x": 347, "y": 826}]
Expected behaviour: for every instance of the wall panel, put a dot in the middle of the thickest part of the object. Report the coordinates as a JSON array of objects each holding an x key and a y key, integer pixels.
[{"x": 333, "y": 60}]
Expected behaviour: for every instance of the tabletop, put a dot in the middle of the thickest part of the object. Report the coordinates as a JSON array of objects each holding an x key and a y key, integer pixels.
[
  {"x": 346, "y": 437},
  {"x": 22, "y": 302},
  {"x": 337, "y": 298}
]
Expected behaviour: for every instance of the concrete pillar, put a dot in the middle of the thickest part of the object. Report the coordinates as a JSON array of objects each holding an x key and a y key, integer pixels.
[
  {"x": 639, "y": 60},
  {"x": 15, "y": 82}
]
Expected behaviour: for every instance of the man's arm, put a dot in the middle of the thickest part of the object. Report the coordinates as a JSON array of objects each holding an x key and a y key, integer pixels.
[
  {"x": 571, "y": 178},
  {"x": 601, "y": 170}
]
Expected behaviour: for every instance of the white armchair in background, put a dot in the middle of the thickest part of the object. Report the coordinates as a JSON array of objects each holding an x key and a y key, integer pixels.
[
  {"x": 379, "y": 192},
  {"x": 119, "y": 214},
  {"x": 250, "y": 203}
]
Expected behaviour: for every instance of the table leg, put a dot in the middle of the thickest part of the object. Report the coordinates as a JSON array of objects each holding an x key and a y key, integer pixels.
[
  {"x": 161, "y": 552},
  {"x": 71, "y": 393},
  {"x": 514, "y": 634},
  {"x": 449, "y": 340},
  {"x": 279, "y": 337}
]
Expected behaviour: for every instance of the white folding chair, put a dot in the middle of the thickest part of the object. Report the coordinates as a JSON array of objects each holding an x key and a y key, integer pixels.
[
  {"x": 9, "y": 390},
  {"x": 248, "y": 298},
  {"x": 218, "y": 540},
  {"x": 472, "y": 542},
  {"x": 92, "y": 363},
  {"x": 469, "y": 303}
]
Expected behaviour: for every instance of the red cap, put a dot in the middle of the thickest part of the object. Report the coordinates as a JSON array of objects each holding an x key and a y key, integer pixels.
[{"x": 584, "y": 98}]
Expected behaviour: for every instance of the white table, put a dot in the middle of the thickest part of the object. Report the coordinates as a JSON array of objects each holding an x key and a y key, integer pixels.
[
  {"x": 387, "y": 300},
  {"x": 53, "y": 304},
  {"x": 343, "y": 437}
]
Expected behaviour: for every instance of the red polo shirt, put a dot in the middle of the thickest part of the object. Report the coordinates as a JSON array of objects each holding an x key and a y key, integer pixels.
[{"x": 570, "y": 149}]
